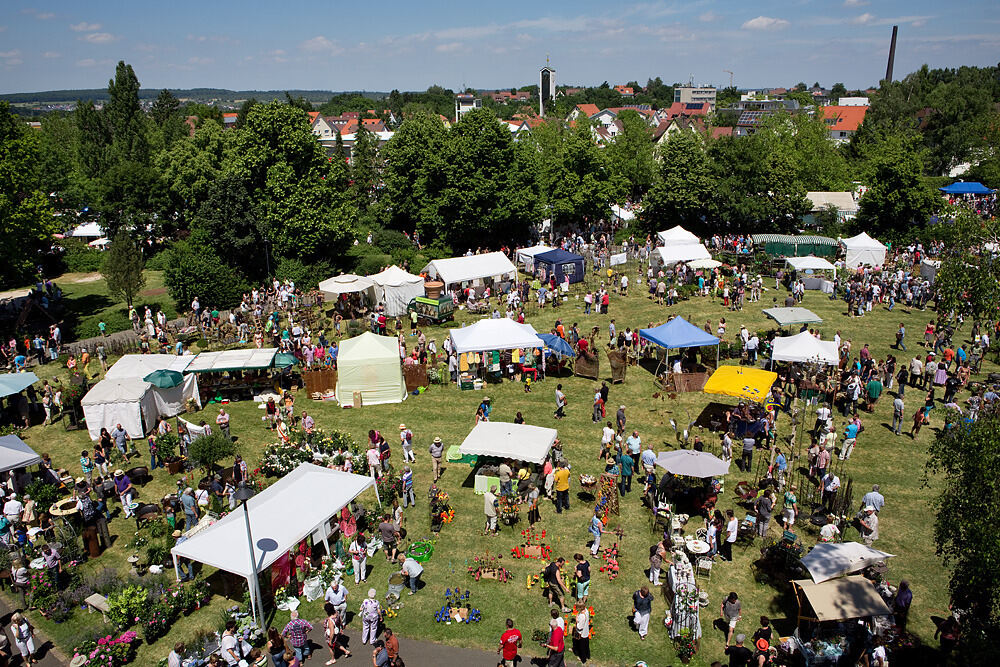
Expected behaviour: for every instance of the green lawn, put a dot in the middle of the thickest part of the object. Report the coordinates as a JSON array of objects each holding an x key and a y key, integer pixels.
[{"x": 894, "y": 462}]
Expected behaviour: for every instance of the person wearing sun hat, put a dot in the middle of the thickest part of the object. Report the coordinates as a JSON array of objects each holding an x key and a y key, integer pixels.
[
  {"x": 436, "y": 451},
  {"x": 371, "y": 613},
  {"x": 763, "y": 651},
  {"x": 406, "y": 440},
  {"x": 125, "y": 491}
]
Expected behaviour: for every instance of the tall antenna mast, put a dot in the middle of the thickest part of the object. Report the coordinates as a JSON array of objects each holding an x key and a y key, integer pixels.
[{"x": 892, "y": 55}]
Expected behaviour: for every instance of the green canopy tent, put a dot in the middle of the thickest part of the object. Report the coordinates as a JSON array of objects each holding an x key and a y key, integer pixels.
[
  {"x": 285, "y": 360},
  {"x": 792, "y": 315},
  {"x": 165, "y": 378}
]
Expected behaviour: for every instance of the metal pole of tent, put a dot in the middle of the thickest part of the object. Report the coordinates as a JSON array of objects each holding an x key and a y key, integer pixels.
[
  {"x": 177, "y": 569},
  {"x": 255, "y": 600},
  {"x": 377, "y": 497}
]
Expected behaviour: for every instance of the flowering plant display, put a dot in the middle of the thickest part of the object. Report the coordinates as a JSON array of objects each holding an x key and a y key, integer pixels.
[
  {"x": 570, "y": 618},
  {"x": 610, "y": 566},
  {"x": 280, "y": 459},
  {"x": 488, "y": 566},
  {"x": 532, "y": 546},
  {"x": 457, "y": 608},
  {"x": 441, "y": 511},
  {"x": 685, "y": 646},
  {"x": 507, "y": 507},
  {"x": 109, "y": 651},
  {"x": 333, "y": 443},
  {"x": 41, "y": 589},
  {"x": 126, "y": 605},
  {"x": 587, "y": 480}
]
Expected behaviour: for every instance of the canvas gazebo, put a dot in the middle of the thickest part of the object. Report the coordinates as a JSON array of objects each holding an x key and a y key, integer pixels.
[
  {"x": 804, "y": 348},
  {"x": 369, "y": 365},
  {"x": 395, "y": 288},
  {"x": 471, "y": 269},
  {"x": 15, "y": 453},
  {"x": 752, "y": 384},
  {"x": 863, "y": 250},
  {"x": 679, "y": 333},
  {"x": 561, "y": 264}
]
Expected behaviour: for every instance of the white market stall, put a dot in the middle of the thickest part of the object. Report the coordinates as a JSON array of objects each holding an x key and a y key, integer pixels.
[
  {"x": 15, "y": 453},
  {"x": 828, "y": 560},
  {"x": 395, "y": 288},
  {"x": 88, "y": 230},
  {"x": 804, "y": 348},
  {"x": 369, "y": 365},
  {"x": 304, "y": 502},
  {"x": 863, "y": 250},
  {"x": 519, "y": 442},
  {"x": 811, "y": 263},
  {"x": 677, "y": 236},
  {"x": 229, "y": 361},
  {"x": 124, "y": 397},
  {"x": 347, "y": 283},
  {"x": 473, "y": 269},
  {"x": 678, "y": 245},
  {"x": 125, "y": 401},
  {"x": 525, "y": 256},
  {"x": 491, "y": 335},
  {"x": 622, "y": 213}
]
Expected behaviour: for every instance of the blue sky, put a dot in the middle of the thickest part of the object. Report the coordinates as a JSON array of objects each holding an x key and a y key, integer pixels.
[{"x": 409, "y": 45}]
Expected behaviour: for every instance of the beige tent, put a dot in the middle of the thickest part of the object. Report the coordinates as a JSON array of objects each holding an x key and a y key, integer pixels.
[
  {"x": 838, "y": 599},
  {"x": 370, "y": 365}
]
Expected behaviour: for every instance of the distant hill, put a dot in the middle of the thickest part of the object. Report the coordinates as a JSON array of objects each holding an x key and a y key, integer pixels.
[{"x": 198, "y": 94}]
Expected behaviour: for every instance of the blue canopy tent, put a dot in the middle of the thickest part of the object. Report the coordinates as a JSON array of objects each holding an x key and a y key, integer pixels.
[
  {"x": 966, "y": 188},
  {"x": 561, "y": 263},
  {"x": 678, "y": 333}
]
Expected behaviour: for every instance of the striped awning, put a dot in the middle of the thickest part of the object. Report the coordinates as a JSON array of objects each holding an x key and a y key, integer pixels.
[{"x": 760, "y": 239}]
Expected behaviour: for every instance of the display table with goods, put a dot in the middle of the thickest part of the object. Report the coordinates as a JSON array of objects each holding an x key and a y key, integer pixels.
[
  {"x": 487, "y": 566},
  {"x": 457, "y": 608},
  {"x": 684, "y": 619},
  {"x": 533, "y": 546}
]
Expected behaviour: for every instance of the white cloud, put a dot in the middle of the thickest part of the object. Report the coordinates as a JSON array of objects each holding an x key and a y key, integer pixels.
[
  {"x": 449, "y": 47},
  {"x": 13, "y": 53},
  {"x": 765, "y": 23},
  {"x": 50, "y": 54},
  {"x": 709, "y": 17},
  {"x": 867, "y": 17},
  {"x": 98, "y": 38},
  {"x": 321, "y": 44},
  {"x": 220, "y": 39},
  {"x": 855, "y": 3},
  {"x": 45, "y": 17},
  {"x": 85, "y": 27},
  {"x": 197, "y": 60},
  {"x": 12, "y": 62},
  {"x": 86, "y": 62}
]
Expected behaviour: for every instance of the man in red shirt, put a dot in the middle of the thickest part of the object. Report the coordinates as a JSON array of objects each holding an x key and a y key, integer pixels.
[
  {"x": 556, "y": 646},
  {"x": 510, "y": 641}
]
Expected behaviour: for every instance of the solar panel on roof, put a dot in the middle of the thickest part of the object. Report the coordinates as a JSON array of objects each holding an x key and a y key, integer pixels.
[{"x": 693, "y": 105}]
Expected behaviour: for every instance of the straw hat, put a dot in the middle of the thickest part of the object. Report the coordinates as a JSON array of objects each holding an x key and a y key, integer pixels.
[
  {"x": 402, "y": 427},
  {"x": 762, "y": 644},
  {"x": 437, "y": 441},
  {"x": 176, "y": 533},
  {"x": 119, "y": 472}
]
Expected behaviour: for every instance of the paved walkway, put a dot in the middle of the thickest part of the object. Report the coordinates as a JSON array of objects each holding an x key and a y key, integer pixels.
[{"x": 48, "y": 654}]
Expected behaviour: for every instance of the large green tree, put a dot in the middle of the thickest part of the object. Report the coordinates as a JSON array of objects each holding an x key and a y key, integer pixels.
[
  {"x": 684, "y": 190},
  {"x": 297, "y": 192},
  {"x": 415, "y": 174},
  {"x": 897, "y": 199},
  {"x": 366, "y": 168},
  {"x": 125, "y": 116},
  {"x": 25, "y": 213},
  {"x": 966, "y": 458},
  {"x": 191, "y": 166},
  {"x": 968, "y": 280},
  {"x": 167, "y": 119},
  {"x": 630, "y": 155},
  {"x": 123, "y": 266}
]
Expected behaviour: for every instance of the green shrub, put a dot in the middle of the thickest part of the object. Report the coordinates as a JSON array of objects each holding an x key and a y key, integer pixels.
[
  {"x": 192, "y": 272},
  {"x": 305, "y": 276},
  {"x": 388, "y": 240},
  {"x": 158, "y": 262},
  {"x": 372, "y": 264},
  {"x": 166, "y": 446},
  {"x": 43, "y": 493},
  {"x": 210, "y": 449},
  {"x": 79, "y": 257}
]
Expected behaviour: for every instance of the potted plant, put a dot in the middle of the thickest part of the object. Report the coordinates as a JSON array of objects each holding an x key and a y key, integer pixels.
[
  {"x": 166, "y": 448},
  {"x": 685, "y": 646},
  {"x": 209, "y": 449}
]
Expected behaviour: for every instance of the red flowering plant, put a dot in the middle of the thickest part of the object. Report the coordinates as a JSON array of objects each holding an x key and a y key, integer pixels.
[{"x": 42, "y": 592}]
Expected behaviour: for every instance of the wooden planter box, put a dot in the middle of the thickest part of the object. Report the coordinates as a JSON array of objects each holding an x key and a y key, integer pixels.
[
  {"x": 488, "y": 574},
  {"x": 533, "y": 551}
]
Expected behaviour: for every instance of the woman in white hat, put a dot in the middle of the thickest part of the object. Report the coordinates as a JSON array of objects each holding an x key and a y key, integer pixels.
[
  {"x": 371, "y": 614},
  {"x": 406, "y": 439}
]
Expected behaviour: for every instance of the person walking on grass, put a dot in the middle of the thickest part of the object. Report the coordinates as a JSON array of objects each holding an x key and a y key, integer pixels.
[
  {"x": 560, "y": 402},
  {"x": 555, "y": 587},
  {"x": 582, "y": 572},
  {"x": 596, "y": 529},
  {"x": 510, "y": 642},
  {"x": 731, "y": 612},
  {"x": 642, "y": 608}
]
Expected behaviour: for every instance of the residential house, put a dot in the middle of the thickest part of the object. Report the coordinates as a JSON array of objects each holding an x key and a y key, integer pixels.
[
  {"x": 843, "y": 121},
  {"x": 588, "y": 110},
  {"x": 625, "y": 91},
  {"x": 853, "y": 102},
  {"x": 505, "y": 96},
  {"x": 568, "y": 91},
  {"x": 686, "y": 109},
  {"x": 753, "y": 112},
  {"x": 464, "y": 103},
  {"x": 666, "y": 129},
  {"x": 229, "y": 120},
  {"x": 844, "y": 202}
]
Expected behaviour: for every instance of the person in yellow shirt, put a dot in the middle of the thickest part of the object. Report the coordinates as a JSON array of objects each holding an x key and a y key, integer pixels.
[{"x": 561, "y": 478}]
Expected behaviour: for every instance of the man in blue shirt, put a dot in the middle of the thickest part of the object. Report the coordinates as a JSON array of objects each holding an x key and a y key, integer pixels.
[
  {"x": 627, "y": 464},
  {"x": 648, "y": 459},
  {"x": 596, "y": 530},
  {"x": 634, "y": 443},
  {"x": 780, "y": 466}
]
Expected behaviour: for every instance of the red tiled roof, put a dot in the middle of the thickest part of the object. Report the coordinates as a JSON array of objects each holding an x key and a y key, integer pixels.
[
  {"x": 721, "y": 132},
  {"x": 588, "y": 109},
  {"x": 678, "y": 109},
  {"x": 232, "y": 115},
  {"x": 844, "y": 119},
  {"x": 313, "y": 115},
  {"x": 625, "y": 90}
]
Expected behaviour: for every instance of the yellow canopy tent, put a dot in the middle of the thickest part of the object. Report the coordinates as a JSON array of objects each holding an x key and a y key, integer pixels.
[{"x": 750, "y": 383}]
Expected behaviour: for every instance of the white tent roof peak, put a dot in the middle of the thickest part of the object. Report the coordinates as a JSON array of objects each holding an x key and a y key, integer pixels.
[
  {"x": 677, "y": 236},
  {"x": 369, "y": 364},
  {"x": 863, "y": 241},
  {"x": 141, "y": 365},
  {"x": 345, "y": 284},
  {"x": 472, "y": 267},
  {"x": 15, "y": 453},
  {"x": 804, "y": 348},
  {"x": 394, "y": 276},
  {"x": 501, "y": 334},
  {"x": 520, "y": 442}
]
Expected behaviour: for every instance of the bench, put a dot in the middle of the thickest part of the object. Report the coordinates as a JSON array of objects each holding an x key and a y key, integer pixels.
[{"x": 100, "y": 603}]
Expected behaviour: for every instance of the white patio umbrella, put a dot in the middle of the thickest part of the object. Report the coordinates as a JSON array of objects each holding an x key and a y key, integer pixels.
[
  {"x": 828, "y": 560},
  {"x": 691, "y": 463}
]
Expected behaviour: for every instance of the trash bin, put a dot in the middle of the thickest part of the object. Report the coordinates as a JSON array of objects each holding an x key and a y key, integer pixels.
[{"x": 396, "y": 585}]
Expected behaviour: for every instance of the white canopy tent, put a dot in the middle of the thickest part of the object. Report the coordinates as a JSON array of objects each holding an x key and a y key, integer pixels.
[
  {"x": 233, "y": 360},
  {"x": 304, "y": 502},
  {"x": 621, "y": 213},
  {"x": 519, "y": 442},
  {"x": 863, "y": 250},
  {"x": 347, "y": 284},
  {"x": 472, "y": 268},
  {"x": 667, "y": 256},
  {"x": 14, "y": 453},
  {"x": 525, "y": 256},
  {"x": 395, "y": 288},
  {"x": 502, "y": 334},
  {"x": 369, "y": 364},
  {"x": 124, "y": 397},
  {"x": 125, "y": 401},
  {"x": 804, "y": 348},
  {"x": 88, "y": 230},
  {"x": 677, "y": 236},
  {"x": 811, "y": 263},
  {"x": 829, "y": 560}
]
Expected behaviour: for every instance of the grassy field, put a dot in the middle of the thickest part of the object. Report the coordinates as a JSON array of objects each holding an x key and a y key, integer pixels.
[{"x": 894, "y": 462}]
